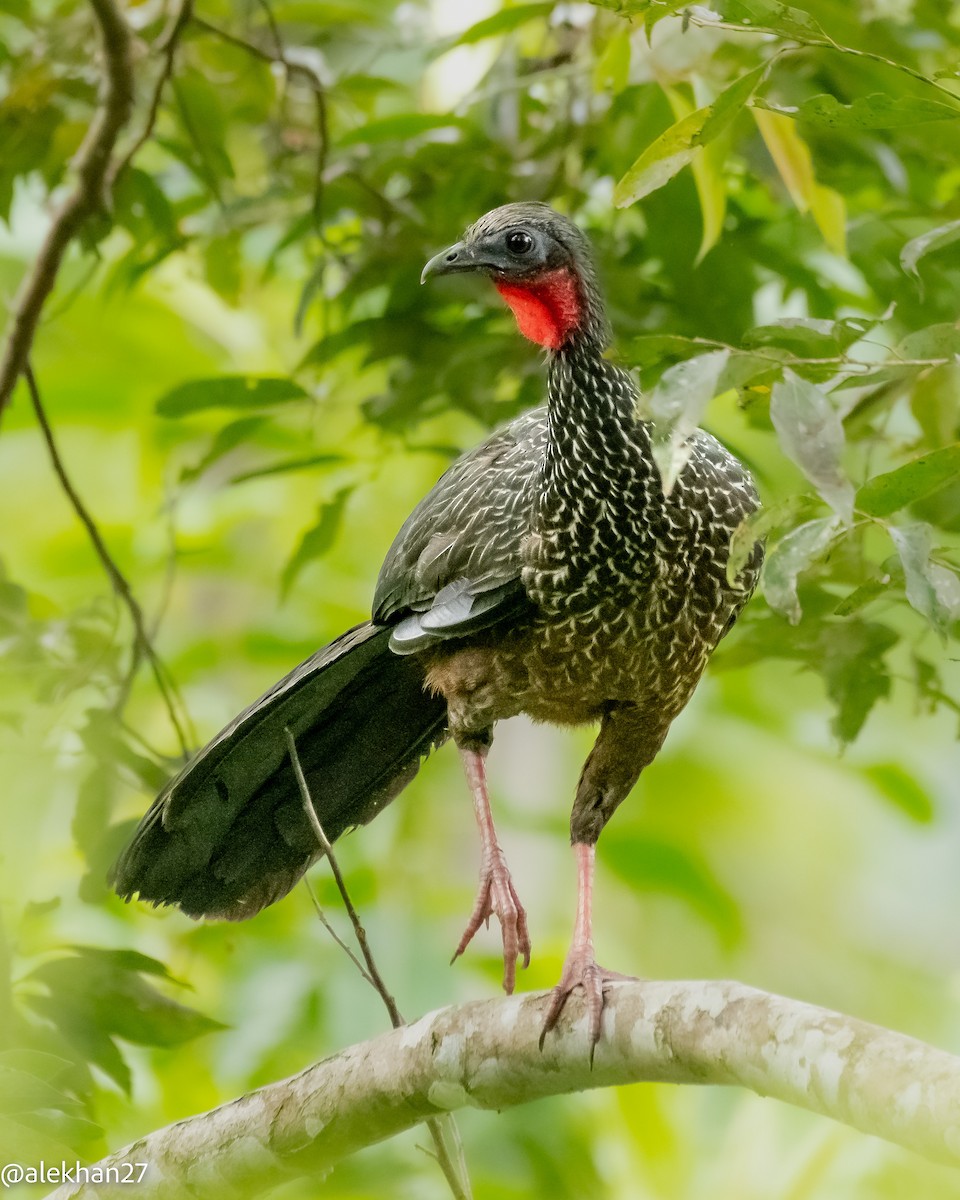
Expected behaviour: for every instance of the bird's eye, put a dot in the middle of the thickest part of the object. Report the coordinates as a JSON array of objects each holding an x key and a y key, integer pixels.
[{"x": 519, "y": 242}]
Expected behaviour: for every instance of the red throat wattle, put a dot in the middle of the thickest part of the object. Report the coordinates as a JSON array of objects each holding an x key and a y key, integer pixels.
[{"x": 547, "y": 307}]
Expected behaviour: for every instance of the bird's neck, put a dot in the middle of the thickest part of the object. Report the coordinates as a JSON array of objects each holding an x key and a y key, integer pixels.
[
  {"x": 596, "y": 485},
  {"x": 591, "y": 404}
]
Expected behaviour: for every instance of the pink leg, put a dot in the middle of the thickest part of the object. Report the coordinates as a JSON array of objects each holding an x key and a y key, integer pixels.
[
  {"x": 497, "y": 896},
  {"x": 580, "y": 967}
]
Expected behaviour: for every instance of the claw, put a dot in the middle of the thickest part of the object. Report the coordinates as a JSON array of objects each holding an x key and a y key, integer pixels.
[
  {"x": 581, "y": 970},
  {"x": 497, "y": 897}
]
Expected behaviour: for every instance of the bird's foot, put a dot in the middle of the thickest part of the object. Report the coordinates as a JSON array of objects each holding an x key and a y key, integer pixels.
[
  {"x": 581, "y": 970},
  {"x": 497, "y": 897}
]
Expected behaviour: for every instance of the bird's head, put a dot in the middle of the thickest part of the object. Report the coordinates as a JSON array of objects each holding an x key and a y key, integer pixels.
[{"x": 541, "y": 264}]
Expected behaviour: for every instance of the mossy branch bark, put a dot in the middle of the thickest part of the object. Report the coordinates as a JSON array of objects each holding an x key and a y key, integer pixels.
[{"x": 485, "y": 1055}]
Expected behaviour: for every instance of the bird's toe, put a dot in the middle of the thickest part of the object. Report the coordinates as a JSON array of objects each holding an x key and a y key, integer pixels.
[
  {"x": 497, "y": 897},
  {"x": 581, "y": 972}
]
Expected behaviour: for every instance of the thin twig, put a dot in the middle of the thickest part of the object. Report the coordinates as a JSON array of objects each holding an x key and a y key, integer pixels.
[
  {"x": 322, "y": 918},
  {"x": 90, "y": 193},
  {"x": 167, "y": 46},
  {"x": 291, "y": 67},
  {"x": 856, "y": 365},
  {"x": 816, "y": 43},
  {"x": 455, "y": 1172},
  {"x": 142, "y": 646},
  {"x": 323, "y": 842},
  {"x": 273, "y": 26}
]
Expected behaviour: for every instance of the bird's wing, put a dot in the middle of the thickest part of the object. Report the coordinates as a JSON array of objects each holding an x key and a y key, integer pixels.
[{"x": 454, "y": 567}]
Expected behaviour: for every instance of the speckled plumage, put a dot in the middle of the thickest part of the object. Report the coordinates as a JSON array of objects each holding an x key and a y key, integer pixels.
[
  {"x": 545, "y": 573},
  {"x": 593, "y": 596}
]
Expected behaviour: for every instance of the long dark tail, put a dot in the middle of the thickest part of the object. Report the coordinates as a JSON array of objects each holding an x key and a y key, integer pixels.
[{"x": 229, "y": 836}]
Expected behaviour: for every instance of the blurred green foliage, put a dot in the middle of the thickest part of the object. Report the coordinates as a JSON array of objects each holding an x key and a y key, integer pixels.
[{"x": 250, "y": 391}]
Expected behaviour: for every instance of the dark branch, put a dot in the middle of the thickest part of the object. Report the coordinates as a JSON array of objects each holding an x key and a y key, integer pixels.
[
  {"x": 142, "y": 644},
  {"x": 88, "y": 196}
]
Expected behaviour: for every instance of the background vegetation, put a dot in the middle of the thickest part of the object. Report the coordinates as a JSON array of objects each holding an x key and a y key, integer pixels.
[{"x": 249, "y": 390}]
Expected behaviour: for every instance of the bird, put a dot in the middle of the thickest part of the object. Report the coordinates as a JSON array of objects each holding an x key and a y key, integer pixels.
[{"x": 550, "y": 571}]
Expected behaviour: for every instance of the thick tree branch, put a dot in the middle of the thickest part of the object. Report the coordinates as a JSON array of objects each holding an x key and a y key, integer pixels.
[
  {"x": 92, "y": 164},
  {"x": 485, "y": 1055}
]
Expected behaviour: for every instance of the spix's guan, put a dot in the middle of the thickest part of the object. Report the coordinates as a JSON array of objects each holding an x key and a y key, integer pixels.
[{"x": 546, "y": 573}]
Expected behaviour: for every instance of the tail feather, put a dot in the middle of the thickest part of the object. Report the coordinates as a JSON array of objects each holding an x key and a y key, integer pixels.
[{"x": 229, "y": 836}]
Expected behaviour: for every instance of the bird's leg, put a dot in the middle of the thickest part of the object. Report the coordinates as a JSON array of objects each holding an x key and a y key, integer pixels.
[
  {"x": 580, "y": 968},
  {"x": 496, "y": 896},
  {"x": 628, "y": 740}
]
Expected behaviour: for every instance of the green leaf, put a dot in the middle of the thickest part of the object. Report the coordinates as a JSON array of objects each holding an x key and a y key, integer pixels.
[
  {"x": 227, "y": 438},
  {"x": 679, "y": 144},
  {"x": 927, "y": 243},
  {"x": 290, "y": 464},
  {"x": 653, "y": 11},
  {"x": 675, "y": 408},
  {"x": 898, "y": 786},
  {"x": 935, "y": 403},
  {"x": 811, "y": 435},
  {"x": 650, "y": 348},
  {"x": 875, "y": 111},
  {"x": 788, "y": 558},
  {"x": 792, "y": 158},
  {"x": 228, "y": 391},
  {"x": 807, "y": 337},
  {"x": 756, "y": 527},
  {"x": 612, "y": 69},
  {"x": 933, "y": 590},
  {"x": 861, "y": 596},
  {"x": 22, "y": 1141},
  {"x": 775, "y": 18},
  {"x": 750, "y": 375},
  {"x": 401, "y": 128},
  {"x": 885, "y": 494},
  {"x": 883, "y": 380},
  {"x": 707, "y": 169},
  {"x": 851, "y": 661},
  {"x": 936, "y": 341},
  {"x": 223, "y": 266},
  {"x": 203, "y": 118},
  {"x": 504, "y": 21},
  {"x": 125, "y": 960},
  {"x": 661, "y": 160},
  {"x": 317, "y": 540},
  {"x": 94, "y": 996},
  {"x": 22, "y": 1091}
]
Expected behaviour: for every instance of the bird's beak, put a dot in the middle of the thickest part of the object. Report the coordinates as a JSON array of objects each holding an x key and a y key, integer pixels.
[{"x": 459, "y": 257}]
